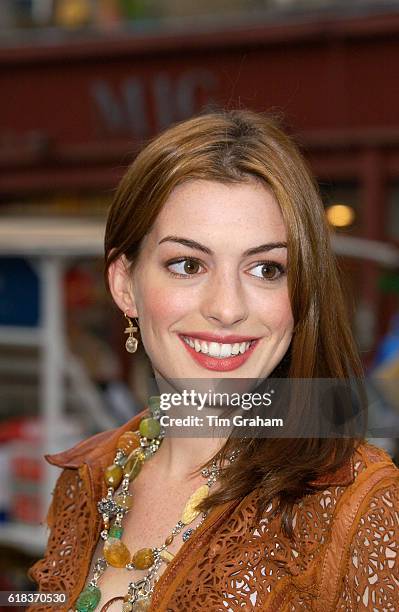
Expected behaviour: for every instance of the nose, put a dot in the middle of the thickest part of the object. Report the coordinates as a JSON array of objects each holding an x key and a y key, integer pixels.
[{"x": 224, "y": 300}]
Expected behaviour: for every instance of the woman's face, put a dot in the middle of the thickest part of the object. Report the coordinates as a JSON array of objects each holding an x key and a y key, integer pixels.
[{"x": 210, "y": 285}]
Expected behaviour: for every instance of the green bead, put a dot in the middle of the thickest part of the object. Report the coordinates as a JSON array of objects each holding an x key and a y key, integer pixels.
[
  {"x": 115, "y": 532},
  {"x": 88, "y": 599},
  {"x": 122, "y": 461},
  {"x": 150, "y": 428},
  {"x": 154, "y": 402}
]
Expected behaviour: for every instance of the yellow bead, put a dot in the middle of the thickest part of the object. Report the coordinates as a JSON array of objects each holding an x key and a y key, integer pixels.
[
  {"x": 125, "y": 501},
  {"x": 133, "y": 465},
  {"x": 166, "y": 555},
  {"x": 113, "y": 475},
  {"x": 143, "y": 558},
  {"x": 116, "y": 553},
  {"x": 137, "y": 452},
  {"x": 190, "y": 511},
  {"x": 128, "y": 442}
]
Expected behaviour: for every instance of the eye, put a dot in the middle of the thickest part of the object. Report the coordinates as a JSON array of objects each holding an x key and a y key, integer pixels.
[
  {"x": 268, "y": 270},
  {"x": 184, "y": 267}
]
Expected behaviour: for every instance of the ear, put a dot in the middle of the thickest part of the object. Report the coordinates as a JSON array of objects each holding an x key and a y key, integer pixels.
[{"x": 121, "y": 286}]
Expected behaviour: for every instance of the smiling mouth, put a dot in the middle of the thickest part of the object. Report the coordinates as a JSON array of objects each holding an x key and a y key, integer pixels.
[{"x": 216, "y": 349}]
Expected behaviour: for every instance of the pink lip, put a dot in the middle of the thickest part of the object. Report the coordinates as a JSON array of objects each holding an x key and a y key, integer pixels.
[
  {"x": 219, "y": 365},
  {"x": 209, "y": 337}
]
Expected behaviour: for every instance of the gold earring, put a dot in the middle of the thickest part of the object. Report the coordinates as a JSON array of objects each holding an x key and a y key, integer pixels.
[{"x": 131, "y": 342}]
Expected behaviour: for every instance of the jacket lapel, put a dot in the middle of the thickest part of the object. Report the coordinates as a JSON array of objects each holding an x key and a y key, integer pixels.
[{"x": 89, "y": 458}]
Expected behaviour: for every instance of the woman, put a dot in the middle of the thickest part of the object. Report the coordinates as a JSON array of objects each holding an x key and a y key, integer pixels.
[{"x": 217, "y": 244}]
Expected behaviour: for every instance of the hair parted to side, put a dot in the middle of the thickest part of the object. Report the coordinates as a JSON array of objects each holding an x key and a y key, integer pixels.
[{"x": 233, "y": 146}]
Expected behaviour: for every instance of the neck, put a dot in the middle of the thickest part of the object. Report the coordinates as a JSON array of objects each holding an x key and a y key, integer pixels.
[
  {"x": 178, "y": 457},
  {"x": 185, "y": 448}
]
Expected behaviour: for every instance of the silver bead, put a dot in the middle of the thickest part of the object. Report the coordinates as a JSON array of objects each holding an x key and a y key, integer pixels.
[{"x": 101, "y": 565}]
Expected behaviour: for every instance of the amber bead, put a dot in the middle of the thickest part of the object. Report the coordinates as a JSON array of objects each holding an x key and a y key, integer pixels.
[
  {"x": 190, "y": 511},
  {"x": 166, "y": 555},
  {"x": 127, "y": 607},
  {"x": 132, "y": 468},
  {"x": 133, "y": 465},
  {"x": 169, "y": 540},
  {"x": 116, "y": 553},
  {"x": 125, "y": 501},
  {"x": 113, "y": 475},
  {"x": 137, "y": 452},
  {"x": 128, "y": 442},
  {"x": 150, "y": 428},
  {"x": 143, "y": 558}
]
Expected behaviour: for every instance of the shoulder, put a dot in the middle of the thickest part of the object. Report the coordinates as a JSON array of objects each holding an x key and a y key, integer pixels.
[
  {"x": 339, "y": 508},
  {"x": 368, "y": 469},
  {"x": 372, "y": 561},
  {"x": 367, "y": 455},
  {"x": 374, "y": 471},
  {"x": 375, "y": 489},
  {"x": 360, "y": 561}
]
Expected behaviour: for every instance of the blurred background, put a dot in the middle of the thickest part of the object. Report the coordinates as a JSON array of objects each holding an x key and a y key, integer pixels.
[{"x": 83, "y": 84}]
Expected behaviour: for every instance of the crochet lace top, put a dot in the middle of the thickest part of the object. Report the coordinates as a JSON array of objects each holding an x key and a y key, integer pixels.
[{"x": 344, "y": 555}]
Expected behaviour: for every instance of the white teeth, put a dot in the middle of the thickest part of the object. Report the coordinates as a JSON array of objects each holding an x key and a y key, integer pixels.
[
  {"x": 204, "y": 347},
  {"x": 216, "y": 349},
  {"x": 225, "y": 350},
  {"x": 236, "y": 349}
]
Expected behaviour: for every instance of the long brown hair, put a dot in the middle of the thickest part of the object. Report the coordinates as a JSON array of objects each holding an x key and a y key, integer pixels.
[{"x": 230, "y": 146}]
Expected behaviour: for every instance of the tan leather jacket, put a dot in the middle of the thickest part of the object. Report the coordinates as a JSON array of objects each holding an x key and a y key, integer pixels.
[{"x": 344, "y": 556}]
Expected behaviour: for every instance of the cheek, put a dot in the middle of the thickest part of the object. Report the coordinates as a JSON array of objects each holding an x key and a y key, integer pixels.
[
  {"x": 276, "y": 313},
  {"x": 285, "y": 320},
  {"x": 160, "y": 307}
]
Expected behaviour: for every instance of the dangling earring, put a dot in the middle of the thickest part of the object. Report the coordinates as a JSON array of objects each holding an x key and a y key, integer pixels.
[{"x": 131, "y": 342}]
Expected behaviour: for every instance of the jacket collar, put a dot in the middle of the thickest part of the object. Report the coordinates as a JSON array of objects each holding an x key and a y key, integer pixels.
[
  {"x": 94, "y": 450},
  {"x": 98, "y": 452}
]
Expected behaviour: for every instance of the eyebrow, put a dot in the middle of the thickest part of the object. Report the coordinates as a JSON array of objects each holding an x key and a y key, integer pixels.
[{"x": 192, "y": 244}]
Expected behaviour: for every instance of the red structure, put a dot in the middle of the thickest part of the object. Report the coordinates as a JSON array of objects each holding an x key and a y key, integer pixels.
[{"x": 73, "y": 114}]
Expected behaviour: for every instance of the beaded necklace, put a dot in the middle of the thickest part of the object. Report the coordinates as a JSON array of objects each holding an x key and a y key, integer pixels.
[{"x": 133, "y": 449}]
